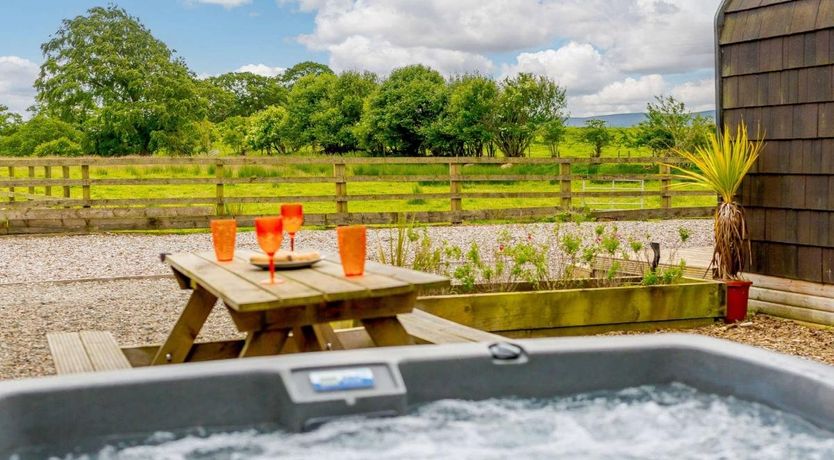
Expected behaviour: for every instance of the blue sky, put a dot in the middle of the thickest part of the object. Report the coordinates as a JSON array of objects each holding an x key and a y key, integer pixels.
[
  {"x": 211, "y": 38},
  {"x": 612, "y": 55}
]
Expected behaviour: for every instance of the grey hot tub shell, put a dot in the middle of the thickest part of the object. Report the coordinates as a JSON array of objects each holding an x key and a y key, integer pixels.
[{"x": 61, "y": 411}]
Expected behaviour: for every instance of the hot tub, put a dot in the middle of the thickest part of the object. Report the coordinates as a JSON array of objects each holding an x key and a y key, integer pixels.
[{"x": 302, "y": 393}]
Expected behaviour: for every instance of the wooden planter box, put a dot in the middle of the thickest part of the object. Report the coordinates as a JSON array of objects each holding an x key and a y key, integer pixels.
[{"x": 586, "y": 310}]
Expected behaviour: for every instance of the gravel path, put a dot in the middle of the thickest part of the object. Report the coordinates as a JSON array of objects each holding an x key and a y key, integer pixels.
[
  {"x": 35, "y": 296},
  {"x": 136, "y": 312},
  {"x": 48, "y": 258}
]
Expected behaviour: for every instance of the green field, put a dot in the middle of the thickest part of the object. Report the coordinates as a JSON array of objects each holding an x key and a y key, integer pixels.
[
  {"x": 381, "y": 188},
  {"x": 572, "y": 147}
]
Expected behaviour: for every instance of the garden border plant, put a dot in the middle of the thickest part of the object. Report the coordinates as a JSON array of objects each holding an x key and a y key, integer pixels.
[{"x": 511, "y": 289}]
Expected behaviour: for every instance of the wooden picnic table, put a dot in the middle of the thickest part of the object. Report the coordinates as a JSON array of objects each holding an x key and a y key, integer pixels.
[{"x": 304, "y": 304}]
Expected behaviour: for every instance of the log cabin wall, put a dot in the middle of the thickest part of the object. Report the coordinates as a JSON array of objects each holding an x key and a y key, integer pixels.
[{"x": 775, "y": 70}]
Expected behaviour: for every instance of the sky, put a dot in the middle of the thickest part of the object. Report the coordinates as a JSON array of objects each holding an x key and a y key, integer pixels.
[{"x": 612, "y": 56}]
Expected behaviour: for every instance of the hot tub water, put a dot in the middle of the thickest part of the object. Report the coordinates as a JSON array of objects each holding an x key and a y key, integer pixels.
[{"x": 655, "y": 422}]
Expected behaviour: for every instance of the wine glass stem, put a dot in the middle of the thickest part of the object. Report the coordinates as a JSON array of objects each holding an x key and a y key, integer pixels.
[
  {"x": 292, "y": 242},
  {"x": 272, "y": 269}
]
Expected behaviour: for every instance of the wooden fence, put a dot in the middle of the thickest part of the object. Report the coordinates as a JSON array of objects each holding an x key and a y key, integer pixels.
[{"x": 39, "y": 195}]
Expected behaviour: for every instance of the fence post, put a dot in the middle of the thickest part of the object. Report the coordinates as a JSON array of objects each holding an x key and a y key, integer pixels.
[
  {"x": 220, "y": 199},
  {"x": 66, "y": 173},
  {"x": 31, "y": 177},
  {"x": 454, "y": 192},
  {"x": 11, "y": 188},
  {"x": 665, "y": 187},
  {"x": 565, "y": 184},
  {"x": 85, "y": 184},
  {"x": 47, "y": 174},
  {"x": 341, "y": 188}
]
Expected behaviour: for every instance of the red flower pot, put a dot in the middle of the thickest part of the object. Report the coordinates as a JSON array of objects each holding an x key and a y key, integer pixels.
[{"x": 737, "y": 294}]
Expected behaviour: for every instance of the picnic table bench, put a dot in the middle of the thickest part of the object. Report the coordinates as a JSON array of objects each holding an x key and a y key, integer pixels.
[{"x": 293, "y": 316}]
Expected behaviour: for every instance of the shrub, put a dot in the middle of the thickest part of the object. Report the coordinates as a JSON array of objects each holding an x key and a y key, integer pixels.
[
  {"x": 61, "y": 147},
  {"x": 43, "y": 130}
]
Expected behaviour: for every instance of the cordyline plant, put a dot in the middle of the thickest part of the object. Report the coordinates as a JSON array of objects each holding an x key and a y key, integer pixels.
[{"x": 720, "y": 167}]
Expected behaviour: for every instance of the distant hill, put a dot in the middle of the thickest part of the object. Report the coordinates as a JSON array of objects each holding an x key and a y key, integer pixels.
[{"x": 624, "y": 120}]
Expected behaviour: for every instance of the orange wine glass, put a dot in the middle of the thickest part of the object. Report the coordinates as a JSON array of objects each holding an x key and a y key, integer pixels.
[
  {"x": 293, "y": 215},
  {"x": 270, "y": 232}
]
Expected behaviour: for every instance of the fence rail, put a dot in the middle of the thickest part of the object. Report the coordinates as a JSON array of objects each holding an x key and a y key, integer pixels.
[{"x": 76, "y": 194}]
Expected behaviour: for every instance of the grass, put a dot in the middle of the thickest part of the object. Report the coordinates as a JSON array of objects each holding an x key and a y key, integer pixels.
[
  {"x": 570, "y": 148},
  {"x": 417, "y": 190},
  {"x": 368, "y": 188}
]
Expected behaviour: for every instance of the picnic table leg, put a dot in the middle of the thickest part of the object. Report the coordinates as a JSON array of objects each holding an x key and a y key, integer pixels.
[
  {"x": 387, "y": 331},
  {"x": 179, "y": 341},
  {"x": 264, "y": 342},
  {"x": 327, "y": 336},
  {"x": 306, "y": 339}
]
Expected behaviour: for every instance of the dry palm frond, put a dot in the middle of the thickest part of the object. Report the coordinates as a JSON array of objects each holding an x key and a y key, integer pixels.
[
  {"x": 721, "y": 167},
  {"x": 732, "y": 247}
]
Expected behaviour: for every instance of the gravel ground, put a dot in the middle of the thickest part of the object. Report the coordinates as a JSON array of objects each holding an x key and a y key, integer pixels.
[
  {"x": 139, "y": 311},
  {"x": 142, "y": 310},
  {"x": 27, "y": 259},
  {"x": 774, "y": 334}
]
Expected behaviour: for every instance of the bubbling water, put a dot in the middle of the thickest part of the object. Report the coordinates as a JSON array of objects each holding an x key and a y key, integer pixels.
[{"x": 648, "y": 422}]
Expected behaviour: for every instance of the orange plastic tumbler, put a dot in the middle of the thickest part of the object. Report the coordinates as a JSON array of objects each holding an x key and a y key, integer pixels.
[
  {"x": 352, "y": 248},
  {"x": 223, "y": 233}
]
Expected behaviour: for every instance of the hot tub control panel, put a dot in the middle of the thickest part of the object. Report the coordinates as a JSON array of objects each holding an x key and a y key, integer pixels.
[
  {"x": 320, "y": 394},
  {"x": 351, "y": 378},
  {"x": 335, "y": 382}
]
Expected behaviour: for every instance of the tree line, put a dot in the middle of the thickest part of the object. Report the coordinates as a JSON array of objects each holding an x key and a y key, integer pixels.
[{"x": 108, "y": 87}]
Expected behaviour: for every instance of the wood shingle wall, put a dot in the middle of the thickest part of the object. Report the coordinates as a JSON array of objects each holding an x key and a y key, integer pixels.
[{"x": 776, "y": 70}]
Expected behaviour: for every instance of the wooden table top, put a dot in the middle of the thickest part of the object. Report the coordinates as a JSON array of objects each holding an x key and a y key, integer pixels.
[{"x": 238, "y": 283}]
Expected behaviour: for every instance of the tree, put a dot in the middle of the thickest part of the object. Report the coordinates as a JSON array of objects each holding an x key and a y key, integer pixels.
[
  {"x": 220, "y": 102},
  {"x": 525, "y": 103},
  {"x": 334, "y": 126},
  {"x": 597, "y": 134},
  {"x": 206, "y": 135},
  {"x": 468, "y": 122},
  {"x": 62, "y": 147},
  {"x": 233, "y": 133},
  {"x": 9, "y": 121},
  {"x": 268, "y": 130},
  {"x": 302, "y": 69},
  {"x": 250, "y": 93},
  {"x": 553, "y": 133},
  {"x": 399, "y": 114},
  {"x": 669, "y": 125},
  {"x": 307, "y": 98},
  {"x": 39, "y": 130},
  {"x": 699, "y": 132},
  {"x": 106, "y": 73}
]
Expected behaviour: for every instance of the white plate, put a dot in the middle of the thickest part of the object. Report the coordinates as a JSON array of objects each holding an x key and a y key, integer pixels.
[{"x": 289, "y": 265}]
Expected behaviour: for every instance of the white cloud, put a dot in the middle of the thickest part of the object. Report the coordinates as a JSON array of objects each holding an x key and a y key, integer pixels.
[
  {"x": 632, "y": 94},
  {"x": 578, "y": 67},
  {"x": 698, "y": 95},
  {"x": 628, "y": 95},
  {"x": 16, "y": 78},
  {"x": 261, "y": 69},
  {"x": 650, "y": 35},
  {"x": 465, "y": 25},
  {"x": 228, "y": 4},
  {"x": 361, "y": 53}
]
